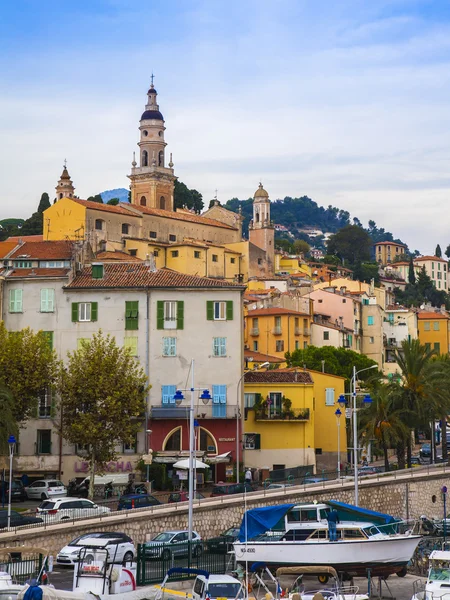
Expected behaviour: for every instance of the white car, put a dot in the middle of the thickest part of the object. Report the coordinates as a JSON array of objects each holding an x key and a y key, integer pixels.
[
  {"x": 46, "y": 488},
  {"x": 120, "y": 547},
  {"x": 217, "y": 586},
  {"x": 67, "y": 509}
]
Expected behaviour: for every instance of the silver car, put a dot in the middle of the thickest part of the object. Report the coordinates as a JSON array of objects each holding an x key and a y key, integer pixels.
[
  {"x": 43, "y": 489},
  {"x": 172, "y": 543}
]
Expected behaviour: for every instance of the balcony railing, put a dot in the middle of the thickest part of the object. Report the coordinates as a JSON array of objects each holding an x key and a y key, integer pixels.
[
  {"x": 299, "y": 414},
  {"x": 306, "y": 331},
  {"x": 211, "y": 411},
  {"x": 254, "y": 331},
  {"x": 297, "y": 331},
  {"x": 277, "y": 331}
]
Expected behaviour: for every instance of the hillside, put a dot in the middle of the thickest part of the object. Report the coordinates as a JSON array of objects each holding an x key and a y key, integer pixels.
[{"x": 120, "y": 193}]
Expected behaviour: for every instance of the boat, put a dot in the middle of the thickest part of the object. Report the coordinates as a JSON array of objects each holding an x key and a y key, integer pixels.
[
  {"x": 334, "y": 590},
  {"x": 437, "y": 584},
  {"x": 368, "y": 543},
  {"x": 205, "y": 587},
  {"x": 17, "y": 565}
]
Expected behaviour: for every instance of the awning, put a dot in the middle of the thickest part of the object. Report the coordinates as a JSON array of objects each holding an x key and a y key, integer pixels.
[
  {"x": 259, "y": 520},
  {"x": 220, "y": 458},
  {"x": 184, "y": 464}
]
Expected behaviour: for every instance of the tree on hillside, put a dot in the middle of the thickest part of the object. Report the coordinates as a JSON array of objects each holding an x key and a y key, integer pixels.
[
  {"x": 301, "y": 247},
  {"x": 411, "y": 272},
  {"x": 284, "y": 244},
  {"x": 34, "y": 225},
  {"x": 438, "y": 251},
  {"x": 28, "y": 365},
  {"x": 44, "y": 203},
  {"x": 97, "y": 198},
  {"x": 103, "y": 395},
  {"x": 447, "y": 252},
  {"x": 351, "y": 243},
  {"x": 113, "y": 202},
  {"x": 183, "y": 197},
  {"x": 366, "y": 271}
]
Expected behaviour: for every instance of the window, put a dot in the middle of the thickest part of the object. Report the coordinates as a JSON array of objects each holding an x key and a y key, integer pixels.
[
  {"x": 172, "y": 237},
  {"x": 97, "y": 271},
  {"x": 219, "y": 346},
  {"x": 49, "y": 337},
  {"x": 54, "y": 264},
  {"x": 174, "y": 253},
  {"x": 153, "y": 234},
  {"x": 232, "y": 261},
  {"x": 143, "y": 201},
  {"x": 279, "y": 346},
  {"x": 426, "y": 326},
  {"x": 252, "y": 441},
  {"x": 215, "y": 258},
  {"x": 45, "y": 404},
  {"x": 297, "y": 345},
  {"x": 255, "y": 346},
  {"x": 439, "y": 267},
  {"x": 47, "y": 300},
  {"x": 125, "y": 228},
  {"x": 145, "y": 158},
  {"x": 437, "y": 347},
  {"x": 130, "y": 448},
  {"x": 326, "y": 335},
  {"x": 427, "y": 345},
  {"x": 23, "y": 264},
  {"x": 174, "y": 442},
  {"x": 219, "y": 394},
  {"x": 305, "y": 345},
  {"x": 98, "y": 224},
  {"x": 81, "y": 342},
  {"x": 131, "y": 315},
  {"x": 44, "y": 441},
  {"x": 370, "y": 320},
  {"x": 167, "y": 393},
  {"x": 84, "y": 311},
  {"x": 219, "y": 311},
  {"x": 130, "y": 343},
  {"x": 371, "y": 340},
  {"x": 260, "y": 261},
  {"x": 329, "y": 397},
  {"x": 436, "y": 325},
  {"x": 365, "y": 302},
  {"x": 277, "y": 322},
  {"x": 15, "y": 301},
  {"x": 133, "y": 251},
  {"x": 170, "y": 314},
  {"x": 197, "y": 254},
  {"x": 344, "y": 300},
  {"x": 249, "y": 400},
  {"x": 162, "y": 200},
  {"x": 169, "y": 346},
  {"x": 156, "y": 253}
]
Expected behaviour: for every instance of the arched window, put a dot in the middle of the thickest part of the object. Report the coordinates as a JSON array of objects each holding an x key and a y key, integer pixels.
[
  {"x": 125, "y": 228},
  {"x": 162, "y": 203},
  {"x": 173, "y": 440},
  {"x": 143, "y": 201},
  {"x": 60, "y": 196},
  {"x": 99, "y": 224},
  {"x": 207, "y": 442},
  {"x": 257, "y": 217},
  {"x": 161, "y": 158},
  {"x": 145, "y": 158}
]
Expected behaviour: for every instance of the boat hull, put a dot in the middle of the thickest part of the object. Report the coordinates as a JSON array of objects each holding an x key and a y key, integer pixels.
[{"x": 355, "y": 557}]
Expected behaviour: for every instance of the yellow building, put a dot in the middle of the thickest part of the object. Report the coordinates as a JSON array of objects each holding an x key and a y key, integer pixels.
[
  {"x": 290, "y": 420},
  {"x": 433, "y": 330},
  {"x": 287, "y": 265},
  {"x": 275, "y": 331},
  {"x": 385, "y": 252}
]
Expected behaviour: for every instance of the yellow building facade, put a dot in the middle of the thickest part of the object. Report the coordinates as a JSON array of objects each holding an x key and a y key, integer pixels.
[{"x": 433, "y": 330}]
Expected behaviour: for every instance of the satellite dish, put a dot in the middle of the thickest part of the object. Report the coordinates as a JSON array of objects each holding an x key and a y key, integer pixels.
[{"x": 422, "y": 306}]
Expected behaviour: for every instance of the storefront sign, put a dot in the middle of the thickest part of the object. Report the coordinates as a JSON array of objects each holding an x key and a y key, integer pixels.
[
  {"x": 111, "y": 467},
  {"x": 227, "y": 439},
  {"x": 229, "y": 471}
]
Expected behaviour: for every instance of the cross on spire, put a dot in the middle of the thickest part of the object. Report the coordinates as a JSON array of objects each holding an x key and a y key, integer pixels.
[
  {"x": 152, "y": 77},
  {"x": 65, "y": 163}
]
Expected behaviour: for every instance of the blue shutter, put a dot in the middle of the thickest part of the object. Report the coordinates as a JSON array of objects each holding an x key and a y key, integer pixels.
[
  {"x": 168, "y": 392},
  {"x": 219, "y": 401}
]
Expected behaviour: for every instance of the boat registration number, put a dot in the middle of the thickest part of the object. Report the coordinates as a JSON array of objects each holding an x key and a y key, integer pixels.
[{"x": 248, "y": 550}]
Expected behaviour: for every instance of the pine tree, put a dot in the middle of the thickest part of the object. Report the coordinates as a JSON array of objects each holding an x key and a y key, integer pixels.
[
  {"x": 411, "y": 272},
  {"x": 438, "y": 251}
]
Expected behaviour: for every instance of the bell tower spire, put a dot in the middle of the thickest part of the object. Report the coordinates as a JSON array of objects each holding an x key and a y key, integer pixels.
[
  {"x": 65, "y": 188},
  {"x": 152, "y": 182}
]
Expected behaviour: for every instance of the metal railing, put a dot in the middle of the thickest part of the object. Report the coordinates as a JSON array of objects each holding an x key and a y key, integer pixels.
[
  {"x": 277, "y": 330},
  {"x": 254, "y": 331},
  {"x": 299, "y": 414}
]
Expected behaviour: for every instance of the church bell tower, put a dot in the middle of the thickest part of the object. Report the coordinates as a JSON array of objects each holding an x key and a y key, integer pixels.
[
  {"x": 261, "y": 231},
  {"x": 152, "y": 182}
]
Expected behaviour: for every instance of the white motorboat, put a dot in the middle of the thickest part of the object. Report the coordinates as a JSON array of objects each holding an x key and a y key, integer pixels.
[
  {"x": 362, "y": 547},
  {"x": 437, "y": 584}
]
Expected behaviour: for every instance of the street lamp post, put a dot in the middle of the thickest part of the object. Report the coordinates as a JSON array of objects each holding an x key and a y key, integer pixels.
[
  {"x": 178, "y": 397},
  {"x": 11, "y": 444},
  {"x": 342, "y": 402},
  {"x": 338, "y": 423}
]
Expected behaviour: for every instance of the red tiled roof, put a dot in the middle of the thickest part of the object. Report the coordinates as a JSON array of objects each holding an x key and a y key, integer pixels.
[
  {"x": 259, "y": 357},
  {"x": 138, "y": 275},
  {"x": 262, "y": 312},
  {"x": 278, "y": 376},
  {"x": 118, "y": 209},
  {"x": 25, "y": 238},
  {"x": 182, "y": 216},
  {"x": 432, "y": 315},
  {"x": 116, "y": 256},
  {"x": 30, "y": 273},
  {"x": 400, "y": 262},
  {"x": 435, "y": 258},
  {"x": 56, "y": 250},
  {"x": 6, "y": 247},
  {"x": 389, "y": 244}
]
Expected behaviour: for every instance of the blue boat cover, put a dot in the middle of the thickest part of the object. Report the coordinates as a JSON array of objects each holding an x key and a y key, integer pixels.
[
  {"x": 348, "y": 512},
  {"x": 259, "y": 520}
]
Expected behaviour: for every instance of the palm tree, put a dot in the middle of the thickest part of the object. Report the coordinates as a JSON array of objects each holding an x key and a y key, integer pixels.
[
  {"x": 8, "y": 424},
  {"x": 440, "y": 377}
]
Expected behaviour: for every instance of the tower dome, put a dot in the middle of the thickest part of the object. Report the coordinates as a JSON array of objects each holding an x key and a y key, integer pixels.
[{"x": 261, "y": 193}]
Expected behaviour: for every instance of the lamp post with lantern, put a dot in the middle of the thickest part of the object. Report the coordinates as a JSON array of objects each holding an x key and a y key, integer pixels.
[
  {"x": 11, "y": 444},
  {"x": 338, "y": 414}
]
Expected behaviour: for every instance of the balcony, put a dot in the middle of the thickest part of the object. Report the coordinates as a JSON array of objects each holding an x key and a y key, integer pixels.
[
  {"x": 306, "y": 331},
  {"x": 295, "y": 415},
  {"x": 297, "y": 331},
  {"x": 254, "y": 331},
  {"x": 210, "y": 411},
  {"x": 277, "y": 330}
]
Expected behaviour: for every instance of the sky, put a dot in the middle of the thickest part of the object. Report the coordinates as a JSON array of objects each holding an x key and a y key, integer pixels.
[{"x": 346, "y": 102}]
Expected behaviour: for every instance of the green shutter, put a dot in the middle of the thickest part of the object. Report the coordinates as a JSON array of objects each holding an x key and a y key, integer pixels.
[
  {"x": 257, "y": 441},
  {"x": 229, "y": 310},
  {"x": 209, "y": 310},
  {"x": 49, "y": 337},
  {"x": 180, "y": 314},
  {"x": 74, "y": 312},
  {"x": 94, "y": 311},
  {"x": 160, "y": 314},
  {"x": 132, "y": 315}
]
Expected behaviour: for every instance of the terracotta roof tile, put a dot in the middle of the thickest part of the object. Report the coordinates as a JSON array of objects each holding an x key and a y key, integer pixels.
[
  {"x": 278, "y": 376},
  {"x": 30, "y": 273},
  {"x": 259, "y": 357},
  {"x": 57, "y": 250},
  {"x": 435, "y": 258},
  {"x": 118, "y": 209},
  {"x": 6, "y": 247},
  {"x": 432, "y": 315},
  {"x": 138, "y": 275},
  {"x": 26, "y": 238},
  {"x": 116, "y": 256},
  {"x": 389, "y": 244},
  {"x": 262, "y": 312},
  {"x": 182, "y": 216}
]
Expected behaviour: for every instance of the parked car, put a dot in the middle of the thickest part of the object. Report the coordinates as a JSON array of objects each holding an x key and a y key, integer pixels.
[
  {"x": 217, "y": 586},
  {"x": 17, "y": 519},
  {"x": 225, "y": 489},
  {"x": 17, "y": 491},
  {"x": 308, "y": 480},
  {"x": 129, "y": 501},
  {"x": 120, "y": 547},
  {"x": 415, "y": 461},
  {"x": 183, "y": 497},
  {"x": 66, "y": 509},
  {"x": 425, "y": 451},
  {"x": 221, "y": 544},
  {"x": 46, "y": 488},
  {"x": 278, "y": 486},
  {"x": 368, "y": 470},
  {"x": 172, "y": 543}
]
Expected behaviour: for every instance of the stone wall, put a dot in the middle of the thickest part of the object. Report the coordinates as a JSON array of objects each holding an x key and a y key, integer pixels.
[{"x": 407, "y": 495}]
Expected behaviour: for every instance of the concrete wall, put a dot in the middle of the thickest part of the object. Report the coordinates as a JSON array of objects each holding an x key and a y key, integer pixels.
[{"x": 408, "y": 495}]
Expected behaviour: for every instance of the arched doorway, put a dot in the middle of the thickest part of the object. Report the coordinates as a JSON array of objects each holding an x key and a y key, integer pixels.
[
  {"x": 173, "y": 440},
  {"x": 143, "y": 201},
  {"x": 162, "y": 203}
]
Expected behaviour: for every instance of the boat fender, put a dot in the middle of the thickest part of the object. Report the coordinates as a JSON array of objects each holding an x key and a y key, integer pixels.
[
  {"x": 268, "y": 596},
  {"x": 115, "y": 575}
]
